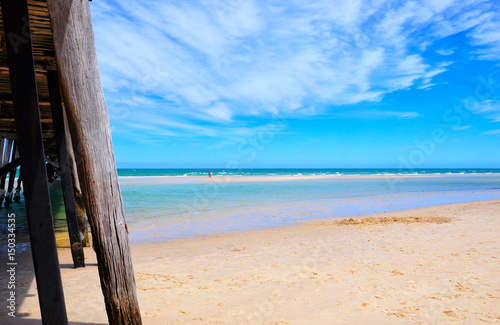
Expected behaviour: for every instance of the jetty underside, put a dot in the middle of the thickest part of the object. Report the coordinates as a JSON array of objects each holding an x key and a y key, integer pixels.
[{"x": 54, "y": 123}]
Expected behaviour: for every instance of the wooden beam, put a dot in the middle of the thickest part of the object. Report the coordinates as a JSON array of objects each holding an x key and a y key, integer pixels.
[
  {"x": 4, "y": 170},
  {"x": 2, "y": 155},
  {"x": 40, "y": 64},
  {"x": 36, "y": 190},
  {"x": 90, "y": 131},
  {"x": 5, "y": 160},
  {"x": 65, "y": 171},
  {"x": 8, "y": 119},
  {"x": 12, "y": 176},
  {"x": 17, "y": 194},
  {"x": 80, "y": 203}
]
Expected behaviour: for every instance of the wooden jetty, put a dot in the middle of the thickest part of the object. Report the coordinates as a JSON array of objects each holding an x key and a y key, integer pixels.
[{"x": 52, "y": 109}]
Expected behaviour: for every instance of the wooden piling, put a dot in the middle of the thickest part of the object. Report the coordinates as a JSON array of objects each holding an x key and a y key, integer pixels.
[
  {"x": 29, "y": 134},
  {"x": 2, "y": 164},
  {"x": 90, "y": 131},
  {"x": 65, "y": 171},
  {"x": 12, "y": 176},
  {"x": 5, "y": 160},
  {"x": 80, "y": 204},
  {"x": 17, "y": 193}
]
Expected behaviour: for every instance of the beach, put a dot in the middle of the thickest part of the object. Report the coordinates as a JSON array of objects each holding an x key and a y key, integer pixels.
[{"x": 432, "y": 265}]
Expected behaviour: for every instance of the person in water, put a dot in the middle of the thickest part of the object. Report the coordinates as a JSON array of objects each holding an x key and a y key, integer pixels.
[{"x": 209, "y": 174}]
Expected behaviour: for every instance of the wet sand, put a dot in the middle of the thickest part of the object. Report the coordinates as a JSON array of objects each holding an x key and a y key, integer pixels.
[{"x": 434, "y": 265}]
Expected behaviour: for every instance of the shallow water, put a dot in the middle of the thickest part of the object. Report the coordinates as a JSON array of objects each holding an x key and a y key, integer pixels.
[{"x": 158, "y": 211}]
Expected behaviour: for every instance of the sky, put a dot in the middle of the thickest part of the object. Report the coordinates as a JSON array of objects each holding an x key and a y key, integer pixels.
[{"x": 320, "y": 84}]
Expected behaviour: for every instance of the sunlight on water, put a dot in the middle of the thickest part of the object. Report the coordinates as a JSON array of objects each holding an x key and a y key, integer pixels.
[{"x": 159, "y": 211}]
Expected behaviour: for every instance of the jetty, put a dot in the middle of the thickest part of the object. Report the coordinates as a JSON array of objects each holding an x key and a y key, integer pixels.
[{"x": 54, "y": 122}]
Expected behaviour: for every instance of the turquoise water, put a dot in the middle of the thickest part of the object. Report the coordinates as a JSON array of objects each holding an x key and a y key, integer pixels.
[
  {"x": 298, "y": 171},
  {"x": 158, "y": 211}
]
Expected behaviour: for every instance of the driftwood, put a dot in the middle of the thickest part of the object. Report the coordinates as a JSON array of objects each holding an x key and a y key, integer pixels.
[{"x": 91, "y": 136}]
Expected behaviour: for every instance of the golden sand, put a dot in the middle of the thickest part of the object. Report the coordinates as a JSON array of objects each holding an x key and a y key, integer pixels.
[{"x": 435, "y": 265}]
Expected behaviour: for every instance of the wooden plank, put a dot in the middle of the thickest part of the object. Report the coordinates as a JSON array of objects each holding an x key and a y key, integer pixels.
[
  {"x": 8, "y": 119},
  {"x": 31, "y": 150},
  {"x": 65, "y": 171},
  {"x": 90, "y": 131}
]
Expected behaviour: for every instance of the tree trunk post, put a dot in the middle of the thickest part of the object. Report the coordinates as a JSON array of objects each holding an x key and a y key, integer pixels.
[
  {"x": 90, "y": 132},
  {"x": 65, "y": 171},
  {"x": 36, "y": 190}
]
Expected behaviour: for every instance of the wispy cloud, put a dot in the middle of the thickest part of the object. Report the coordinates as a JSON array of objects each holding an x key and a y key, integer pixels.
[
  {"x": 488, "y": 108},
  {"x": 445, "y": 52},
  {"x": 374, "y": 114},
  {"x": 459, "y": 128},
  {"x": 220, "y": 61},
  {"x": 493, "y": 132}
]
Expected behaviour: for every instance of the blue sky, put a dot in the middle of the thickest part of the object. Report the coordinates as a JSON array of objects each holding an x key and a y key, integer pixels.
[{"x": 244, "y": 83}]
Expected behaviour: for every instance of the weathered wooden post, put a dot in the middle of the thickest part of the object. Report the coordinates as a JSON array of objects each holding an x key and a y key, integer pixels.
[
  {"x": 2, "y": 150},
  {"x": 29, "y": 134},
  {"x": 80, "y": 204},
  {"x": 65, "y": 171},
  {"x": 12, "y": 176},
  {"x": 5, "y": 161},
  {"x": 17, "y": 193},
  {"x": 90, "y": 131}
]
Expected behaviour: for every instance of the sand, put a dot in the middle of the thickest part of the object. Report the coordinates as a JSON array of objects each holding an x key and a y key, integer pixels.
[{"x": 435, "y": 265}]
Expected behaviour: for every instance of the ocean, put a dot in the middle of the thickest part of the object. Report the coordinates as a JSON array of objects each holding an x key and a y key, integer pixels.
[
  {"x": 165, "y": 204},
  {"x": 299, "y": 171}
]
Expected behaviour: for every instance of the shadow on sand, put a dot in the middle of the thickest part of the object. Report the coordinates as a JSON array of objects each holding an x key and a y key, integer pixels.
[{"x": 24, "y": 280}]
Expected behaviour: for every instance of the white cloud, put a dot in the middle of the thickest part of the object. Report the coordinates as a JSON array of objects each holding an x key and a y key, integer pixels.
[
  {"x": 459, "y": 128},
  {"x": 220, "y": 112},
  {"x": 378, "y": 114},
  {"x": 488, "y": 108},
  {"x": 445, "y": 52},
  {"x": 493, "y": 132},
  {"x": 487, "y": 37},
  {"x": 220, "y": 61},
  {"x": 427, "y": 78}
]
